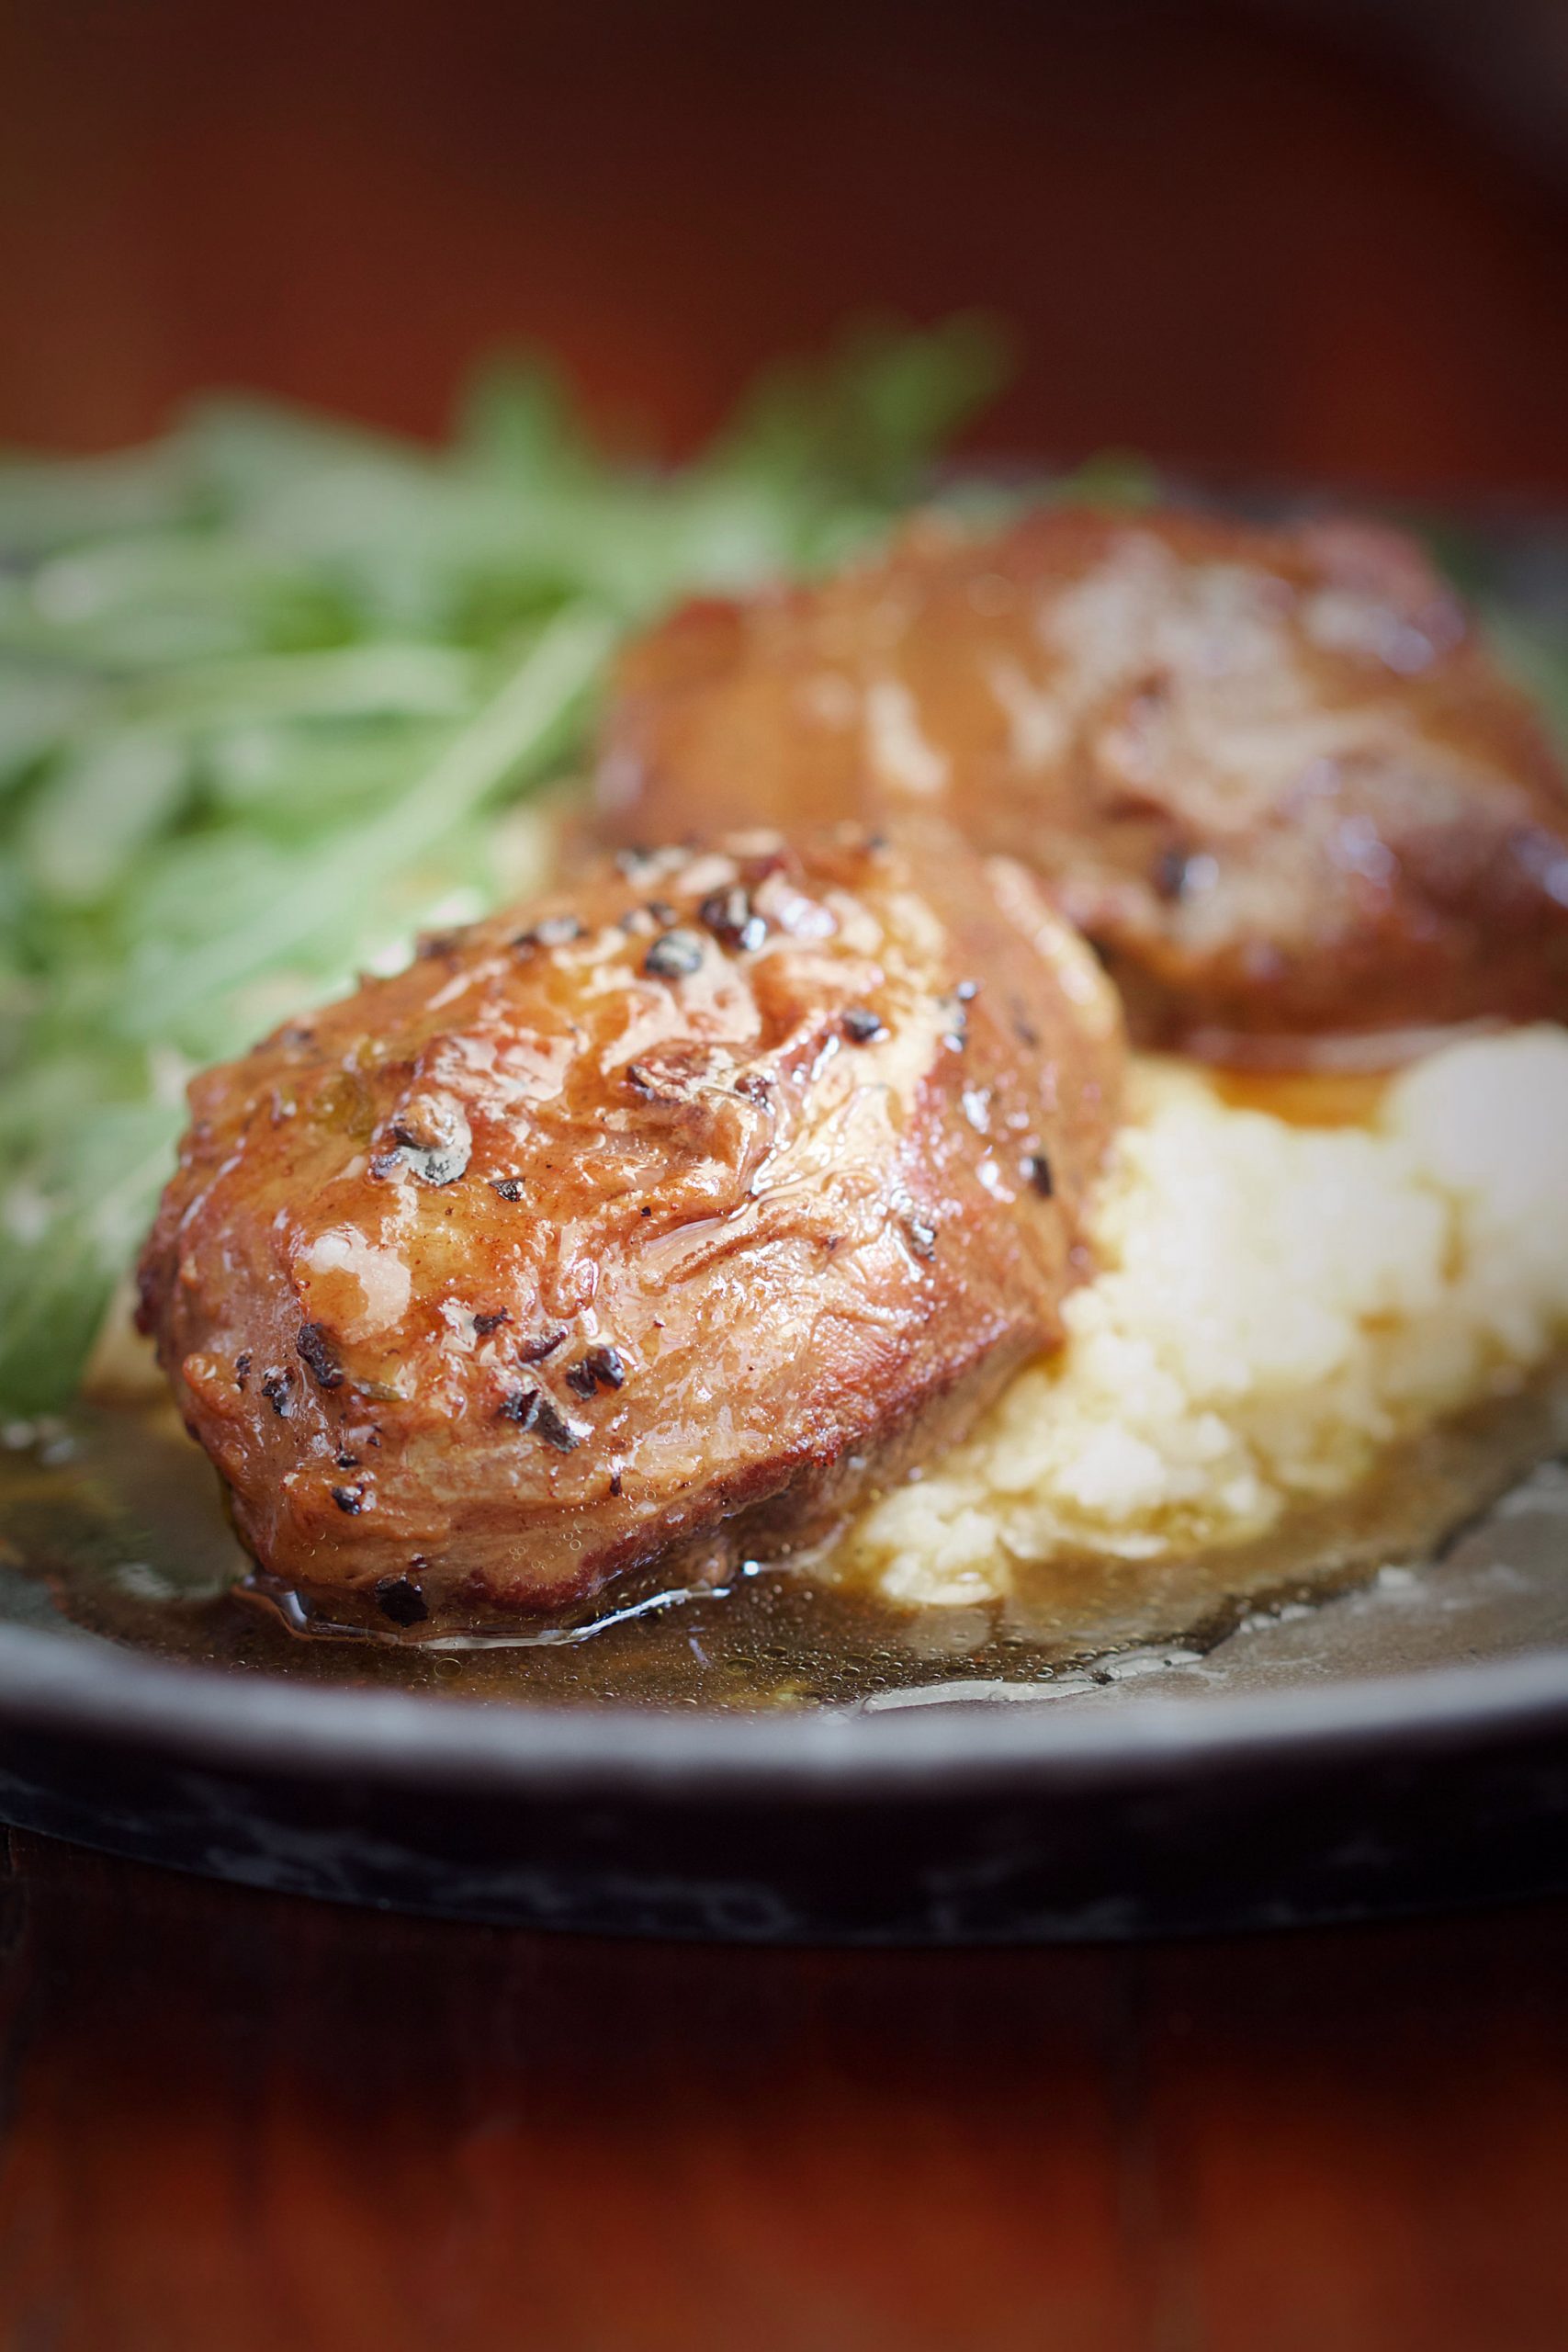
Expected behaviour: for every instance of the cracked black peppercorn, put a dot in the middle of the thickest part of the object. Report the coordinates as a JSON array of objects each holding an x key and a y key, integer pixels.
[
  {"x": 400, "y": 1599},
  {"x": 862, "y": 1026},
  {"x": 433, "y": 1138},
  {"x": 1169, "y": 876},
  {"x": 509, "y": 1188},
  {"x": 553, "y": 930},
  {"x": 599, "y": 1368},
  {"x": 921, "y": 1237},
  {"x": 731, "y": 917},
  {"x": 314, "y": 1347},
  {"x": 532, "y": 1409},
  {"x": 1037, "y": 1168},
  {"x": 350, "y": 1500},
  {"x": 543, "y": 1344},
  {"x": 674, "y": 955}
]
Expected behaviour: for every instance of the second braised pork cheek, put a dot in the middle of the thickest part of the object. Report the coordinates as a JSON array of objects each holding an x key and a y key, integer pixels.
[
  {"x": 650, "y": 1226},
  {"x": 1273, "y": 773}
]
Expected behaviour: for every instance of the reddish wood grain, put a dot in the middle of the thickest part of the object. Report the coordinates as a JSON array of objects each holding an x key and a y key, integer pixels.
[
  {"x": 234, "y": 2120},
  {"x": 1217, "y": 238}
]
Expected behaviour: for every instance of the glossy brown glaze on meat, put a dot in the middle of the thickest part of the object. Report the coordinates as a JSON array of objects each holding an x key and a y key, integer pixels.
[
  {"x": 1273, "y": 774},
  {"x": 650, "y": 1224}
]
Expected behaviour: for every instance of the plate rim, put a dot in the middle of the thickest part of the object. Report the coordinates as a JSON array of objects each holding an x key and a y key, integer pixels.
[{"x": 216, "y": 1718}]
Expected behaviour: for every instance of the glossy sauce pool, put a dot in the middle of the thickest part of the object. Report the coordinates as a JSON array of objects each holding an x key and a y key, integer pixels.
[{"x": 110, "y": 1521}]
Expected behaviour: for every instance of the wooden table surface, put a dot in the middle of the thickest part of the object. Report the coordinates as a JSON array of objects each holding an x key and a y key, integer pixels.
[
  {"x": 231, "y": 2122},
  {"x": 1216, "y": 231}
]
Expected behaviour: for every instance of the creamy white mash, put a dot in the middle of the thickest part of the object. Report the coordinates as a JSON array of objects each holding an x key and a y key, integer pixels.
[{"x": 1275, "y": 1302}]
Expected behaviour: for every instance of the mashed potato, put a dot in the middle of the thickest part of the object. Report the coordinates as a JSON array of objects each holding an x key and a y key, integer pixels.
[{"x": 1275, "y": 1302}]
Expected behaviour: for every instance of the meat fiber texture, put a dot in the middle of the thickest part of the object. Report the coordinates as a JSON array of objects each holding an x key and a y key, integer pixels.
[
  {"x": 648, "y": 1228},
  {"x": 1276, "y": 775}
]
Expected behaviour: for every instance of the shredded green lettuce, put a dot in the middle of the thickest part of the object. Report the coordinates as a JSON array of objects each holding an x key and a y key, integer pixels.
[{"x": 266, "y": 688}]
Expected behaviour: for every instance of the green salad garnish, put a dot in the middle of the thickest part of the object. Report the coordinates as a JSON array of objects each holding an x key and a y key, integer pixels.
[{"x": 267, "y": 688}]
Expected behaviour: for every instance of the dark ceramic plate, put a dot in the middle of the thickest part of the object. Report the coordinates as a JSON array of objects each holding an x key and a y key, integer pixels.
[
  {"x": 1367, "y": 1715},
  {"x": 1358, "y": 1719}
]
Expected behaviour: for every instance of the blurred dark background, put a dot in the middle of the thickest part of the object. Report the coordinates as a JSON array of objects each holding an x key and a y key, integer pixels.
[{"x": 1326, "y": 236}]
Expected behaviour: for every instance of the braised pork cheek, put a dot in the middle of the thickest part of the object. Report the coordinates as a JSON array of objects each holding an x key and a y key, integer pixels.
[
  {"x": 1274, "y": 774},
  {"x": 649, "y": 1225}
]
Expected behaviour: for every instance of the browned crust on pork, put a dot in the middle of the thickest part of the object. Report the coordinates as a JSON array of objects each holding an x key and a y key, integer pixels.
[
  {"x": 649, "y": 1225},
  {"x": 1276, "y": 775}
]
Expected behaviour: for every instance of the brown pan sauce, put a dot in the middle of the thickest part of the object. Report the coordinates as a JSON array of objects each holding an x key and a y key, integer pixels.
[{"x": 113, "y": 1523}]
